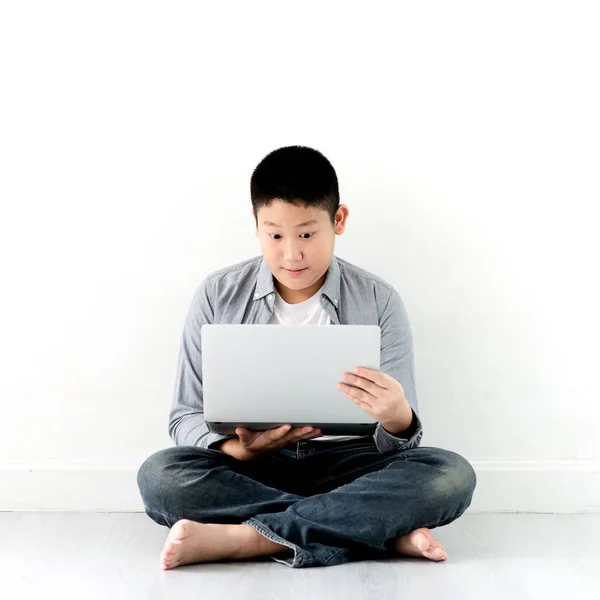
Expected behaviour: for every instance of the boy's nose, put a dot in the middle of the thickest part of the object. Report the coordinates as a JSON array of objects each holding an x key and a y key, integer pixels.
[{"x": 292, "y": 254}]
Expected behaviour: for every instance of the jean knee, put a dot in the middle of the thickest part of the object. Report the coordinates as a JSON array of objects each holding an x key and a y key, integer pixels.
[
  {"x": 150, "y": 473},
  {"x": 159, "y": 475},
  {"x": 456, "y": 479}
]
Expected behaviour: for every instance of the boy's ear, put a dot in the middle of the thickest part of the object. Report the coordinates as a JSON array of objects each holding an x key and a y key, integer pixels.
[{"x": 341, "y": 219}]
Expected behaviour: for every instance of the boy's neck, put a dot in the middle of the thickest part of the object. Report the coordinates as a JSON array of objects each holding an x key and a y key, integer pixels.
[{"x": 297, "y": 296}]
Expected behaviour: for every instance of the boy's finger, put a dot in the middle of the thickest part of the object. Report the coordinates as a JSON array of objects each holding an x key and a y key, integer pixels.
[
  {"x": 272, "y": 435},
  {"x": 245, "y": 438},
  {"x": 302, "y": 433}
]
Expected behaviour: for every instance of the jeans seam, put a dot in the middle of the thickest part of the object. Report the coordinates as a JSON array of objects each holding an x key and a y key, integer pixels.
[
  {"x": 334, "y": 555},
  {"x": 300, "y": 553},
  {"x": 271, "y": 535}
]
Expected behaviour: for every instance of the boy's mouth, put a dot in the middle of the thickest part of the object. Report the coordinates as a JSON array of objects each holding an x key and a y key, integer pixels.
[{"x": 295, "y": 272}]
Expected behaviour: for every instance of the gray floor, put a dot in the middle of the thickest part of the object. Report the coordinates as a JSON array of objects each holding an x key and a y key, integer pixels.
[{"x": 116, "y": 555}]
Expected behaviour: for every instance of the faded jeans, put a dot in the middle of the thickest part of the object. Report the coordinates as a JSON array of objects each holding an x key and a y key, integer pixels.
[{"x": 329, "y": 502}]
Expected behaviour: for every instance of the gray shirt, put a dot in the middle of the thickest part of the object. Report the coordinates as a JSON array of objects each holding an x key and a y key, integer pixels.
[{"x": 244, "y": 293}]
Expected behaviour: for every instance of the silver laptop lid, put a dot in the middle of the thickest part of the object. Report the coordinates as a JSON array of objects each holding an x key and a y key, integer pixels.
[{"x": 284, "y": 373}]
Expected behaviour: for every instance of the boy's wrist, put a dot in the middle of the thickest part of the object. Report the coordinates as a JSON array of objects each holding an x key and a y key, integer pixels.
[{"x": 233, "y": 447}]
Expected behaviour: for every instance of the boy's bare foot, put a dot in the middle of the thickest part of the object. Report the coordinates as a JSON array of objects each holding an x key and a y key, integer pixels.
[
  {"x": 420, "y": 542},
  {"x": 190, "y": 542}
]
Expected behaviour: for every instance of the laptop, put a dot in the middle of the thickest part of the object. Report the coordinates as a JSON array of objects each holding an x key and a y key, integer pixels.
[{"x": 264, "y": 376}]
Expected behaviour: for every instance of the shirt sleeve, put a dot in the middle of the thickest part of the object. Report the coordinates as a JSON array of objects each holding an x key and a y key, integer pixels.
[
  {"x": 397, "y": 360},
  {"x": 187, "y": 426}
]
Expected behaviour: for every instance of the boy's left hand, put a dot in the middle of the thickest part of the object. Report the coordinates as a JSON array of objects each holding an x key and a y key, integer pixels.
[{"x": 377, "y": 393}]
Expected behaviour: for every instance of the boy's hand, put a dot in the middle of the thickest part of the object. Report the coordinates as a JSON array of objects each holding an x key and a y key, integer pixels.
[
  {"x": 379, "y": 395},
  {"x": 255, "y": 444}
]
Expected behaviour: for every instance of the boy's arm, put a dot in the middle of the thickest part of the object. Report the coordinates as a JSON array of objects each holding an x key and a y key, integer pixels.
[
  {"x": 397, "y": 360},
  {"x": 186, "y": 419}
]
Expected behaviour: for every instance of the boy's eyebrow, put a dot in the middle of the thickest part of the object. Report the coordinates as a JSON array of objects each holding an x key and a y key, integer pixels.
[{"x": 311, "y": 222}]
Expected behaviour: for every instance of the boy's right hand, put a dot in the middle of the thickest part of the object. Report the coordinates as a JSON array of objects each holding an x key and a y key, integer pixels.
[{"x": 255, "y": 444}]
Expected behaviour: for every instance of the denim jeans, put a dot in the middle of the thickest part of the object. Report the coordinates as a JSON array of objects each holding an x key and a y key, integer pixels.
[{"x": 328, "y": 502}]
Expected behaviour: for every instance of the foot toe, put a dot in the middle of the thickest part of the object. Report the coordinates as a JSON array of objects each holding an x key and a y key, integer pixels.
[
  {"x": 421, "y": 542},
  {"x": 436, "y": 554}
]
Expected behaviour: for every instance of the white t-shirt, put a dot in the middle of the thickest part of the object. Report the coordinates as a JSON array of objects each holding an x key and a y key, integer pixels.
[{"x": 309, "y": 312}]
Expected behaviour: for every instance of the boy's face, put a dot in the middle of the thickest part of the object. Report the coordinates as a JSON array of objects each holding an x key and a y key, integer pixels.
[{"x": 298, "y": 238}]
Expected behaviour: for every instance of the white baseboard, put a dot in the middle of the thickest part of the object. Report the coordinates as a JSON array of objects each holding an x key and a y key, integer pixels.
[{"x": 503, "y": 486}]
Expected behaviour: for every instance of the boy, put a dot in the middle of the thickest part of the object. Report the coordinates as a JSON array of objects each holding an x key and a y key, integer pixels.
[{"x": 290, "y": 493}]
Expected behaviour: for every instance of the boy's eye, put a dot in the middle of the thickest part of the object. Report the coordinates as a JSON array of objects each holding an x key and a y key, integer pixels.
[{"x": 273, "y": 235}]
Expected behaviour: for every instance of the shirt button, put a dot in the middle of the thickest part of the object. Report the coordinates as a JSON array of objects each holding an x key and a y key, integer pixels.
[{"x": 257, "y": 294}]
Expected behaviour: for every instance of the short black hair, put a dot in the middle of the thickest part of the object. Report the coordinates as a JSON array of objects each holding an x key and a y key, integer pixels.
[{"x": 298, "y": 175}]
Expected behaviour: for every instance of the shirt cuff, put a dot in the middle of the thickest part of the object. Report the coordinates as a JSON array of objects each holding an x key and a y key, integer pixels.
[{"x": 388, "y": 442}]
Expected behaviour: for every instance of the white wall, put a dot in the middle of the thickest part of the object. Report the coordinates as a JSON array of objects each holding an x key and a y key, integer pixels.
[{"x": 465, "y": 137}]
